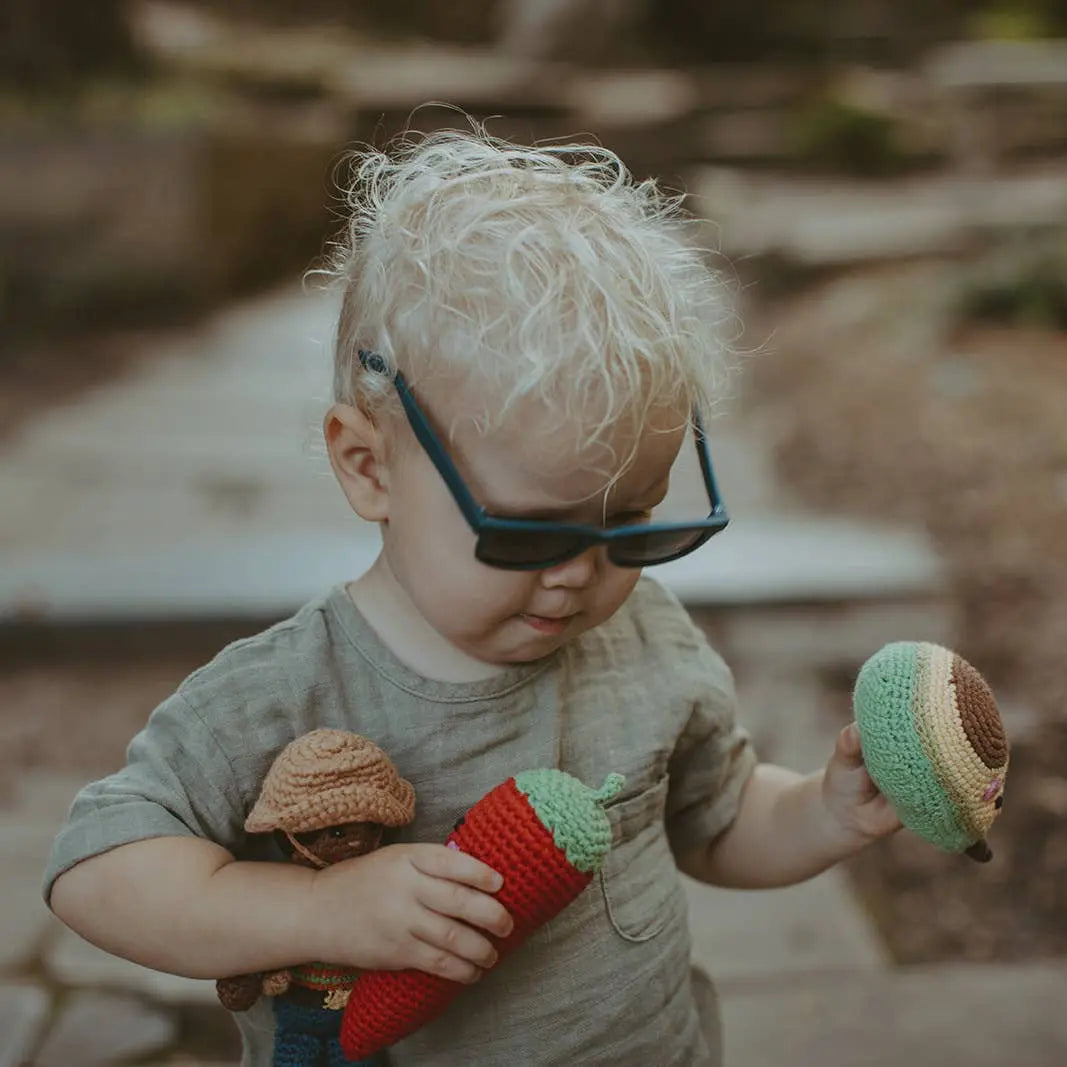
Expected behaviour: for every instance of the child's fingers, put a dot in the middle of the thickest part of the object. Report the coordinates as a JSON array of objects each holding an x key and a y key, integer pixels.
[
  {"x": 450, "y": 938},
  {"x": 848, "y": 747},
  {"x": 457, "y": 901},
  {"x": 441, "y": 862},
  {"x": 438, "y": 961}
]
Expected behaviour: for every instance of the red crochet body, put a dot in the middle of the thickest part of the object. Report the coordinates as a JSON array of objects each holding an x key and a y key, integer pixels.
[{"x": 503, "y": 831}]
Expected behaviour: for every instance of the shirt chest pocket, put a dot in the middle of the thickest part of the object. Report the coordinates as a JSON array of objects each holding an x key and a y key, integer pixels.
[{"x": 639, "y": 881}]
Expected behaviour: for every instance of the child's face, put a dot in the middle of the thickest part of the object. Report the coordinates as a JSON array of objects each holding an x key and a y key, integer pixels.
[{"x": 499, "y": 616}]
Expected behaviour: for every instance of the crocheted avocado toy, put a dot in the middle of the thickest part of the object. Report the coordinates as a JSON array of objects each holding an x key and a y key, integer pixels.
[
  {"x": 934, "y": 743},
  {"x": 547, "y": 834},
  {"x": 326, "y": 798}
]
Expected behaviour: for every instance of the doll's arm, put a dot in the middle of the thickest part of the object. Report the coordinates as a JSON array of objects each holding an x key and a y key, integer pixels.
[
  {"x": 275, "y": 983},
  {"x": 239, "y": 992}
]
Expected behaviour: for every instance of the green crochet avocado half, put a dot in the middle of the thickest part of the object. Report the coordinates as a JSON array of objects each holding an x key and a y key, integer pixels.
[{"x": 933, "y": 742}]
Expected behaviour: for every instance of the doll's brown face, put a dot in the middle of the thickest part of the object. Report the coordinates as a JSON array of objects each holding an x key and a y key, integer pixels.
[{"x": 335, "y": 843}]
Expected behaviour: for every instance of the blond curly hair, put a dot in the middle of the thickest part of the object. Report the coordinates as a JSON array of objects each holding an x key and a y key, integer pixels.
[{"x": 531, "y": 272}]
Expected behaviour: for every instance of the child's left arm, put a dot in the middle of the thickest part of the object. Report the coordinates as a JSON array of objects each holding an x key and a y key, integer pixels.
[{"x": 790, "y": 827}]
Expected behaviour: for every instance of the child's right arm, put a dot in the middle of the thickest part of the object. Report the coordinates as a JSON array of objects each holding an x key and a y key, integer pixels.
[{"x": 184, "y": 905}]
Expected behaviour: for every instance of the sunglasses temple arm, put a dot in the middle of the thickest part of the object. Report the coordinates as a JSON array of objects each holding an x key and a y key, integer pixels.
[
  {"x": 420, "y": 425},
  {"x": 704, "y": 453}
]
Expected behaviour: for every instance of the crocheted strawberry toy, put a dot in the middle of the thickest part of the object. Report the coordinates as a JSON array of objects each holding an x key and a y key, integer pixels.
[
  {"x": 547, "y": 834},
  {"x": 326, "y": 798},
  {"x": 934, "y": 743}
]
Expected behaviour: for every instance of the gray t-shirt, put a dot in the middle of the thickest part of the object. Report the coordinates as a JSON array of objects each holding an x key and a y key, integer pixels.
[{"x": 608, "y": 980}]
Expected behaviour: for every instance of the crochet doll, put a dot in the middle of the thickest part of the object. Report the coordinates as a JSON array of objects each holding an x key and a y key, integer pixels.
[{"x": 326, "y": 798}]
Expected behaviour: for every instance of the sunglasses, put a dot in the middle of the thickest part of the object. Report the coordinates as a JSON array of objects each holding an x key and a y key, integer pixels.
[{"x": 535, "y": 544}]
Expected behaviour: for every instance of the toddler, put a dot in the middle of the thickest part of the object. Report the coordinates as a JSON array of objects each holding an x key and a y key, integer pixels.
[{"x": 526, "y": 345}]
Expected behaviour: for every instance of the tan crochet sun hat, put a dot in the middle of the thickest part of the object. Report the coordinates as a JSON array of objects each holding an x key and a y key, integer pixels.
[{"x": 328, "y": 778}]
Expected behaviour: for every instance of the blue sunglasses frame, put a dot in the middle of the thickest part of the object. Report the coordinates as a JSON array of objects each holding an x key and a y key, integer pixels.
[{"x": 583, "y": 536}]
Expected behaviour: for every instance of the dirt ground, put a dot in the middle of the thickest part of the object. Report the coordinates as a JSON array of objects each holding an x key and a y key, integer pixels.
[
  {"x": 78, "y": 715},
  {"x": 886, "y": 406},
  {"x": 35, "y": 373}
]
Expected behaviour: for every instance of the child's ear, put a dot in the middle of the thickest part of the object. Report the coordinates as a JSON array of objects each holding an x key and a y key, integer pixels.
[{"x": 357, "y": 454}]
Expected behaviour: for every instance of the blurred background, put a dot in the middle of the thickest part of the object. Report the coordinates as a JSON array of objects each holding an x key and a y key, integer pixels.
[{"x": 884, "y": 188}]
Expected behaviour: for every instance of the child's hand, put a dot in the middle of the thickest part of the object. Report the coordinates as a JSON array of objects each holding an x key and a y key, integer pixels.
[
  {"x": 418, "y": 906},
  {"x": 851, "y": 797}
]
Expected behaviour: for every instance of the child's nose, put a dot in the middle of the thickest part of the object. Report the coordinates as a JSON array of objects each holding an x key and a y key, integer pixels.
[{"x": 577, "y": 572}]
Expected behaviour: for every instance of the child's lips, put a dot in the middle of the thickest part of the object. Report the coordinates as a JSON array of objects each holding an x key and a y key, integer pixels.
[{"x": 546, "y": 625}]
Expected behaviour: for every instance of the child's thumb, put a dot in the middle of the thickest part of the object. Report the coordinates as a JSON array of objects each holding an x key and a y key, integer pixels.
[{"x": 848, "y": 747}]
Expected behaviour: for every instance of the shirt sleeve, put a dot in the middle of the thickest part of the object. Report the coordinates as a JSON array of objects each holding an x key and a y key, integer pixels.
[
  {"x": 177, "y": 781},
  {"x": 713, "y": 758}
]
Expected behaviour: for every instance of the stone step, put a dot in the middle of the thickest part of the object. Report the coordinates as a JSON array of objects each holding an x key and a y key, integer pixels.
[
  {"x": 29, "y": 819},
  {"x": 72, "y": 961},
  {"x": 978, "y": 1015},
  {"x": 824, "y": 223},
  {"x": 197, "y": 487},
  {"x": 815, "y": 927},
  {"x": 23, "y": 1011},
  {"x": 265, "y": 573},
  {"x": 97, "y": 1029}
]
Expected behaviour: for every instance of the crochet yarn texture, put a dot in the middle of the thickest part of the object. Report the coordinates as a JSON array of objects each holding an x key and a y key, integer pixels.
[
  {"x": 547, "y": 834},
  {"x": 330, "y": 778},
  {"x": 335, "y": 790},
  {"x": 934, "y": 743}
]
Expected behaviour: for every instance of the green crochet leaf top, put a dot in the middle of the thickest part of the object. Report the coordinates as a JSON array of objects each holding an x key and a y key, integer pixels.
[{"x": 573, "y": 812}]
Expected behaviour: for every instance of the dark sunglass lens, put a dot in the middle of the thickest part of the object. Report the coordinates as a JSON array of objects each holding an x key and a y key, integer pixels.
[
  {"x": 644, "y": 549},
  {"x": 519, "y": 548}
]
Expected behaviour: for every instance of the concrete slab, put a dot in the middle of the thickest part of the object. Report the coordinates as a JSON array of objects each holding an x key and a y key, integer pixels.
[
  {"x": 829, "y": 634},
  {"x": 39, "y": 799},
  {"x": 75, "y": 962},
  {"x": 198, "y": 487},
  {"x": 828, "y": 224},
  {"x": 24, "y": 920},
  {"x": 23, "y": 1009},
  {"x": 270, "y": 572},
  {"x": 786, "y": 714},
  {"x": 811, "y": 928},
  {"x": 29, "y": 819},
  {"x": 101, "y": 1028},
  {"x": 982, "y": 1016},
  {"x": 998, "y": 64}
]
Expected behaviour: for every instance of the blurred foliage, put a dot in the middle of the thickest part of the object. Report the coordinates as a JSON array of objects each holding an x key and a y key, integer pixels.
[
  {"x": 1020, "y": 20},
  {"x": 459, "y": 21},
  {"x": 53, "y": 45},
  {"x": 151, "y": 103},
  {"x": 160, "y": 224},
  {"x": 835, "y": 135},
  {"x": 700, "y": 31},
  {"x": 881, "y": 31},
  {"x": 1024, "y": 283}
]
